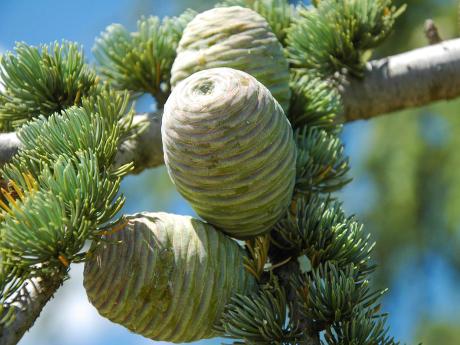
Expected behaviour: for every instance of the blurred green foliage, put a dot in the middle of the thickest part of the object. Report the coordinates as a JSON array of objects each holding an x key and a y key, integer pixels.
[
  {"x": 439, "y": 333},
  {"x": 413, "y": 161}
]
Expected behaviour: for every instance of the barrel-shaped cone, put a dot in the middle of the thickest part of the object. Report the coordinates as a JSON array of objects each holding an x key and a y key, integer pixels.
[
  {"x": 238, "y": 38},
  {"x": 230, "y": 151},
  {"x": 166, "y": 277}
]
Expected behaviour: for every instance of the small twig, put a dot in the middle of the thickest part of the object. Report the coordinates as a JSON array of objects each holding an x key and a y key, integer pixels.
[
  {"x": 432, "y": 32},
  {"x": 285, "y": 274},
  {"x": 258, "y": 255},
  {"x": 113, "y": 228},
  {"x": 281, "y": 263}
]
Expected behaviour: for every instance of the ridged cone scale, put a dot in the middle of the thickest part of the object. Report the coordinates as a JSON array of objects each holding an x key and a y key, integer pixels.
[
  {"x": 238, "y": 38},
  {"x": 230, "y": 151},
  {"x": 166, "y": 277}
]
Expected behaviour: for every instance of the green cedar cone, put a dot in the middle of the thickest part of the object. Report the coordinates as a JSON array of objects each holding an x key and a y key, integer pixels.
[
  {"x": 165, "y": 276},
  {"x": 229, "y": 149},
  {"x": 238, "y": 38}
]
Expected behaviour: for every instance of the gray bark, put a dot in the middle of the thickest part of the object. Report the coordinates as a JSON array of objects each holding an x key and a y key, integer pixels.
[
  {"x": 27, "y": 305},
  {"x": 9, "y": 144},
  {"x": 407, "y": 80}
]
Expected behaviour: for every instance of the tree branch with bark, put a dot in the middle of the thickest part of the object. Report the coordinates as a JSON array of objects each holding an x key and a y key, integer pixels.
[
  {"x": 408, "y": 80},
  {"x": 412, "y": 79},
  {"x": 27, "y": 306}
]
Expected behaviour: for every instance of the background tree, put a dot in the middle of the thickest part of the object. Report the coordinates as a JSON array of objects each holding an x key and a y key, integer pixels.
[{"x": 420, "y": 236}]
